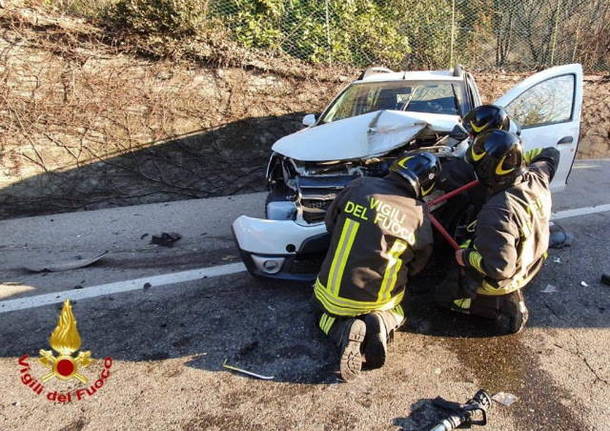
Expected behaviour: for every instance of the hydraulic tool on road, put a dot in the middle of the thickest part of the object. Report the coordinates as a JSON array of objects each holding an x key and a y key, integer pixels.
[{"x": 463, "y": 414}]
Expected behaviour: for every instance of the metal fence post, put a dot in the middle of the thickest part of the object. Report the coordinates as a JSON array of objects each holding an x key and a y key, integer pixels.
[
  {"x": 555, "y": 29},
  {"x": 452, "y": 34},
  {"x": 330, "y": 47}
]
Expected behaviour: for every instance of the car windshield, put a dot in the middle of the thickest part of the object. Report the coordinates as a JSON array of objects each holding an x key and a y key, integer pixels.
[{"x": 414, "y": 96}]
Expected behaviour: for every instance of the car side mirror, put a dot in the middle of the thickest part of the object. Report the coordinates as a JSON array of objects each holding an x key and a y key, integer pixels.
[
  {"x": 458, "y": 133},
  {"x": 309, "y": 120}
]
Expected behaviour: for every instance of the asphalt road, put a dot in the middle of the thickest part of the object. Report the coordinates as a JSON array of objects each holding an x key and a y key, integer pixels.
[{"x": 168, "y": 343}]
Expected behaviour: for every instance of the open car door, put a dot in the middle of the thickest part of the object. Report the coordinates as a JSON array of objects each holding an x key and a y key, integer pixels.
[{"x": 548, "y": 105}]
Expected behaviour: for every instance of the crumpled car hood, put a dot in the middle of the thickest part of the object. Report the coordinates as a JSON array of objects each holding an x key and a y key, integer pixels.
[{"x": 363, "y": 136}]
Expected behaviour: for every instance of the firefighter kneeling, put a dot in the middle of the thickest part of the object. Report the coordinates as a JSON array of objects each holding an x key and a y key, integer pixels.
[
  {"x": 379, "y": 236},
  {"x": 511, "y": 234}
]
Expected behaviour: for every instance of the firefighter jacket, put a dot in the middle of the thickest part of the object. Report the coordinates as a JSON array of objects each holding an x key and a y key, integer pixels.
[
  {"x": 512, "y": 230},
  {"x": 379, "y": 235}
]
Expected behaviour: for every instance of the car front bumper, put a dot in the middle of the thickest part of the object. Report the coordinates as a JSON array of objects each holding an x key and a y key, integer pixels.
[{"x": 281, "y": 249}]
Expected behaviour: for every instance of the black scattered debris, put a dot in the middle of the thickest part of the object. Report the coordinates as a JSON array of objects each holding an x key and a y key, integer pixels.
[
  {"x": 606, "y": 279},
  {"x": 559, "y": 238},
  {"x": 166, "y": 239},
  {"x": 147, "y": 286},
  {"x": 144, "y": 236},
  {"x": 75, "y": 263},
  {"x": 247, "y": 349}
]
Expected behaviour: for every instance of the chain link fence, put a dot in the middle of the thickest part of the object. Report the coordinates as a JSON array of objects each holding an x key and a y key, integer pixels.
[{"x": 408, "y": 34}]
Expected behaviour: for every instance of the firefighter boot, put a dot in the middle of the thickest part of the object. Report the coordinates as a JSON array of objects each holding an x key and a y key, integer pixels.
[
  {"x": 376, "y": 344},
  {"x": 349, "y": 335},
  {"x": 380, "y": 327},
  {"x": 512, "y": 313}
]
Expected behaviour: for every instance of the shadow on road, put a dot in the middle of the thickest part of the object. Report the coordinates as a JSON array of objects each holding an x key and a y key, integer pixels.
[
  {"x": 222, "y": 161},
  {"x": 424, "y": 415}
]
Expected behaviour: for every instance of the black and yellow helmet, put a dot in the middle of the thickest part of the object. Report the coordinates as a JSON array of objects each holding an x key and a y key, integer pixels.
[
  {"x": 486, "y": 117},
  {"x": 497, "y": 157},
  {"x": 420, "y": 170}
]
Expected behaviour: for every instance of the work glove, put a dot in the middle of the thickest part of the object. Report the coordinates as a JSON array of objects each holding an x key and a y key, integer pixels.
[
  {"x": 466, "y": 243},
  {"x": 459, "y": 253},
  {"x": 530, "y": 155}
]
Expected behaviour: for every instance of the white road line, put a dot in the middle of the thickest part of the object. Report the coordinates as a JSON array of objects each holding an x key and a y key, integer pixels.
[
  {"x": 580, "y": 212},
  {"x": 181, "y": 277},
  {"x": 119, "y": 286}
]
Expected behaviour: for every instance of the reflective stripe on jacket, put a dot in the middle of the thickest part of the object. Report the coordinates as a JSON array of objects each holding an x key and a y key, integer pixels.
[{"x": 379, "y": 235}]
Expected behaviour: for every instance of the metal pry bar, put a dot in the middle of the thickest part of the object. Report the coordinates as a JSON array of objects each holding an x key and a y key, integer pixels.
[
  {"x": 249, "y": 373},
  {"x": 442, "y": 198}
]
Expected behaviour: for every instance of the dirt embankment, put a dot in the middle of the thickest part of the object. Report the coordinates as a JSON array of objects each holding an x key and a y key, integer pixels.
[{"x": 84, "y": 124}]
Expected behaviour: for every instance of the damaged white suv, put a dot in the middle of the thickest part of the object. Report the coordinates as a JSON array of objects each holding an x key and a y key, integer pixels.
[{"x": 372, "y": 121}]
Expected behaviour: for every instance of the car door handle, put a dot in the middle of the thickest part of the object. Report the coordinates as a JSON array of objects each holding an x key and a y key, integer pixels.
[{"x": 565, "y": 140}]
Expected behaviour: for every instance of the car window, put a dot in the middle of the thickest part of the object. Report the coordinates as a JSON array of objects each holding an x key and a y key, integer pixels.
[
  {"x": 548, "y": 102},
  {"x": 358, "y": 99}
]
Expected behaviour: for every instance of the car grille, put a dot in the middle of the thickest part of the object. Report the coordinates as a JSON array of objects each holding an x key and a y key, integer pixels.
[
  {"x": 316, "y": 204},
  {"x": 314, "y": 209},
  {"x": 317, "y": 193}
]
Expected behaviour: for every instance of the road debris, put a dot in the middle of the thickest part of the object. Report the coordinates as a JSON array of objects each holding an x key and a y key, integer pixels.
[
  {"x": 549, "y": 289},
  {"x": 249, "y": 373},
  {"x": 559, "y": 238},
  {"x": 504, "y": 398},
  {"x": 75, "y": 263},
  {"x": 556, "y": 260},
  {"x": 605, "y": 279},
  {"x": 166, "y": 239},
  {"x": 584, "y": 284}
]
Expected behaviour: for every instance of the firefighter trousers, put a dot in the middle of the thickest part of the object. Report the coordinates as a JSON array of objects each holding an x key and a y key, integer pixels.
[
  {"x": 508, "y": 311},
  {"x": 333, "y": 326}
]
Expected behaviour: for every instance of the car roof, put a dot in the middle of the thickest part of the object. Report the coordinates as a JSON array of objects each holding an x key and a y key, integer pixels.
[{"x": 429, "y": 75}]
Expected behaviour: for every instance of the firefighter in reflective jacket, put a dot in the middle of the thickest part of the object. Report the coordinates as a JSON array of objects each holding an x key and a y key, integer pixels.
[
  {"x": 511, "y": 234},
  {"x": 379, "y": 236}
]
